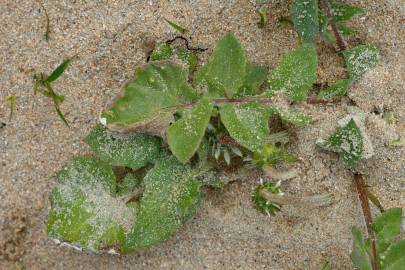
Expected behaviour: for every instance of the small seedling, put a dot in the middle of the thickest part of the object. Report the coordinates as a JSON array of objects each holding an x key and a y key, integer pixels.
[
  {"x": 263, "y": 17},
  {"x": 262, "y": 204},
  {"x": 43, "y": 85},
  {"x": 11, "y": 100}
]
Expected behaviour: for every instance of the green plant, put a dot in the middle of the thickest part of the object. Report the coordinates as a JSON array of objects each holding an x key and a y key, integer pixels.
[{"x": 161, "y": 141}]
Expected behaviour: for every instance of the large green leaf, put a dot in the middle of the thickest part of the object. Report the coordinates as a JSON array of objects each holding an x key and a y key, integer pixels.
[
  {"x": 225, "y": 72},
  {"x": 338, "y": 89},
  {"x": 85, "y": 211},
  {"x": 296, "y": 73},
  {"x": 150, "y": 99},
  {"x": 185, "y": 135},
  {"x": 395, "y": 257},
  {"x": 360, "y": 59},
  {"x": 134, "y": 150},
  {"x": 305, "y": 18},
  {"x": 171, "y": 197},
  {"x": 359, "y": 255},
  {"x": 255, "y": 76},
  {"x": 247, "y": 124},
  {"x": 387, "y": 226},
  {"x": 346, "y": 140}
]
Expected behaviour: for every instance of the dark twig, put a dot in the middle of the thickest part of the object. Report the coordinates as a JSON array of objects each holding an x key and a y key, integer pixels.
[
  {"x": 361, "y": 190},
  {"x": 186, "y": 42},
  {"x": 48, "y": 29},
  {"x": 339, "y": 40}
]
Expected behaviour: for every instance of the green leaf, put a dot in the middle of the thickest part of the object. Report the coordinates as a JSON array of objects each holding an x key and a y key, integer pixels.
[
  {"x": 290, "y": 115},
  {"x": 271, "y": 155},
  {"x": 346, "y": 140},
  {"x": 360, "y": 59},
  {"x": 150, "y": 99},
  {"x": 165, "y": 51},
  {"x": 11, "y": 99},
  {"x": 296, "y": 73},
  {"x": 85, "y": 210},
  {"x": 343, "y": 12},
  {"x": 344, "y": 29},
  {"x": 185, "y": 135},
  {"x": 395, "y": 257},
  {"x": 128, "y": 184},
  {"x": 134, "y": 150},
  {"x": 255, "y": 76},
  {"x": 171, "y": 197},
  {"x": 176, "y": 26},
  {"x": 387, "y": 226},
  {"x": 247, "y": 124},
  {"x": 359, "y": 254},
  {"x": 338, "y": 89},
  {"x": 225, "y": 72},
  {"x": 58, "y": 71},
  {"x": 263, "y": 17},
  {"x": 305, "y": 18}
]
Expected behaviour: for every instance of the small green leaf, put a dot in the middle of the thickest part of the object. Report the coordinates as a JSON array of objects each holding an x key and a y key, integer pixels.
[
  {"x": 247, "y": 124},
  {"x": 85, "y": 210},
  {"x": 387, "y": 226},
  {"x": 290, "y": 115},
  {"x": 255, "y": 76},
  {"x": 346, "y": 140},
  {"x": 134, "y": 150},
  {"x": 165, "y": 51},
  {"x": 395, "y": 257},
  {"x": 397, "y": 143},
  {"x": 338, "y": 89},
  {"x": 343, "y": 12},
  {"x": 344, "y": 29},
  {"x": 305, "y": 18},
  {"x": 58, "y": 71},
  {"x": 296, "y": 73},
  {"x": 150, "y": 100},
  {"x": 359, "y": 254},
  {"x": 176, "y": 26},
  {"x": 128, "y": 184},
  {"x": 271, "y": 155},
  {"x": 263, "y": 205},
  {"x": 171, "y": 197},
  {"x": 61, "y": 115},
  {"x": 225, "y": 72},
  {"x": 360, "y": 59},
  {"x": 185, "y": 135},
  {"x": 263, "y": 17}
]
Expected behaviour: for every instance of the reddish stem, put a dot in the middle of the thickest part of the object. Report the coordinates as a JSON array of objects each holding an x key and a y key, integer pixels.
[
  {"x": 361, "y": 190},
  {"x": 339, "y": 40}
]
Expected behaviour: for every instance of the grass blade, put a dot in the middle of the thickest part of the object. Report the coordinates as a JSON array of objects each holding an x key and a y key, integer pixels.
[
  {"x": 11, "y": 99},
  {"x": 176, "y": 27},
  {"x": 61, "y": 116},
  {"x": 58, "y": 71}
]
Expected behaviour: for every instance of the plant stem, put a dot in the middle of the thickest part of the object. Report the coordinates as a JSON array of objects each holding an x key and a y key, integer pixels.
[
  {"x": 361, "y": 190},
  {"x": 339, "y": 40},
  {"x": 316, "y": 200}
]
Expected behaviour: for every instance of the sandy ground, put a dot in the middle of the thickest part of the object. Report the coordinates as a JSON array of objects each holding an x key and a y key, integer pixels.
[{"x": 227, "y": 233}]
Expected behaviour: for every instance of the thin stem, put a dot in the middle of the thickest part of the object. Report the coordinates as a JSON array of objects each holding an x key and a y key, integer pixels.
[
  {"x": 361, "y": 190},
  {"x": 339, "y": 40}
]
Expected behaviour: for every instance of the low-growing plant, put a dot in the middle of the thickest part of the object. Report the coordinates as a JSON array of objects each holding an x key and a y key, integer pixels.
[{"x": 176, "y": 128}]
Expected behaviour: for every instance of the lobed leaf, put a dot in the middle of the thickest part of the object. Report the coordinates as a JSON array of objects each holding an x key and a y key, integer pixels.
[
  {"x": 359, "y": 253},
  {"x": 225, "y": 71},
  {"x": 305, "y": 18},
  {"x": 387, "y": 226},
  {"x": 360, "y": 59},
  {"x": 247, "y": 124},
  {"x": 346, "y": 140},
  {"x": 134, "y": 150},
  {"x": 85, "y": 210},
  {"x": 185, "y": 135},
  {"x": 171, "y": 197},
  {"x": 150, "y": 99},
  {"x": 296, "y": 73}
]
